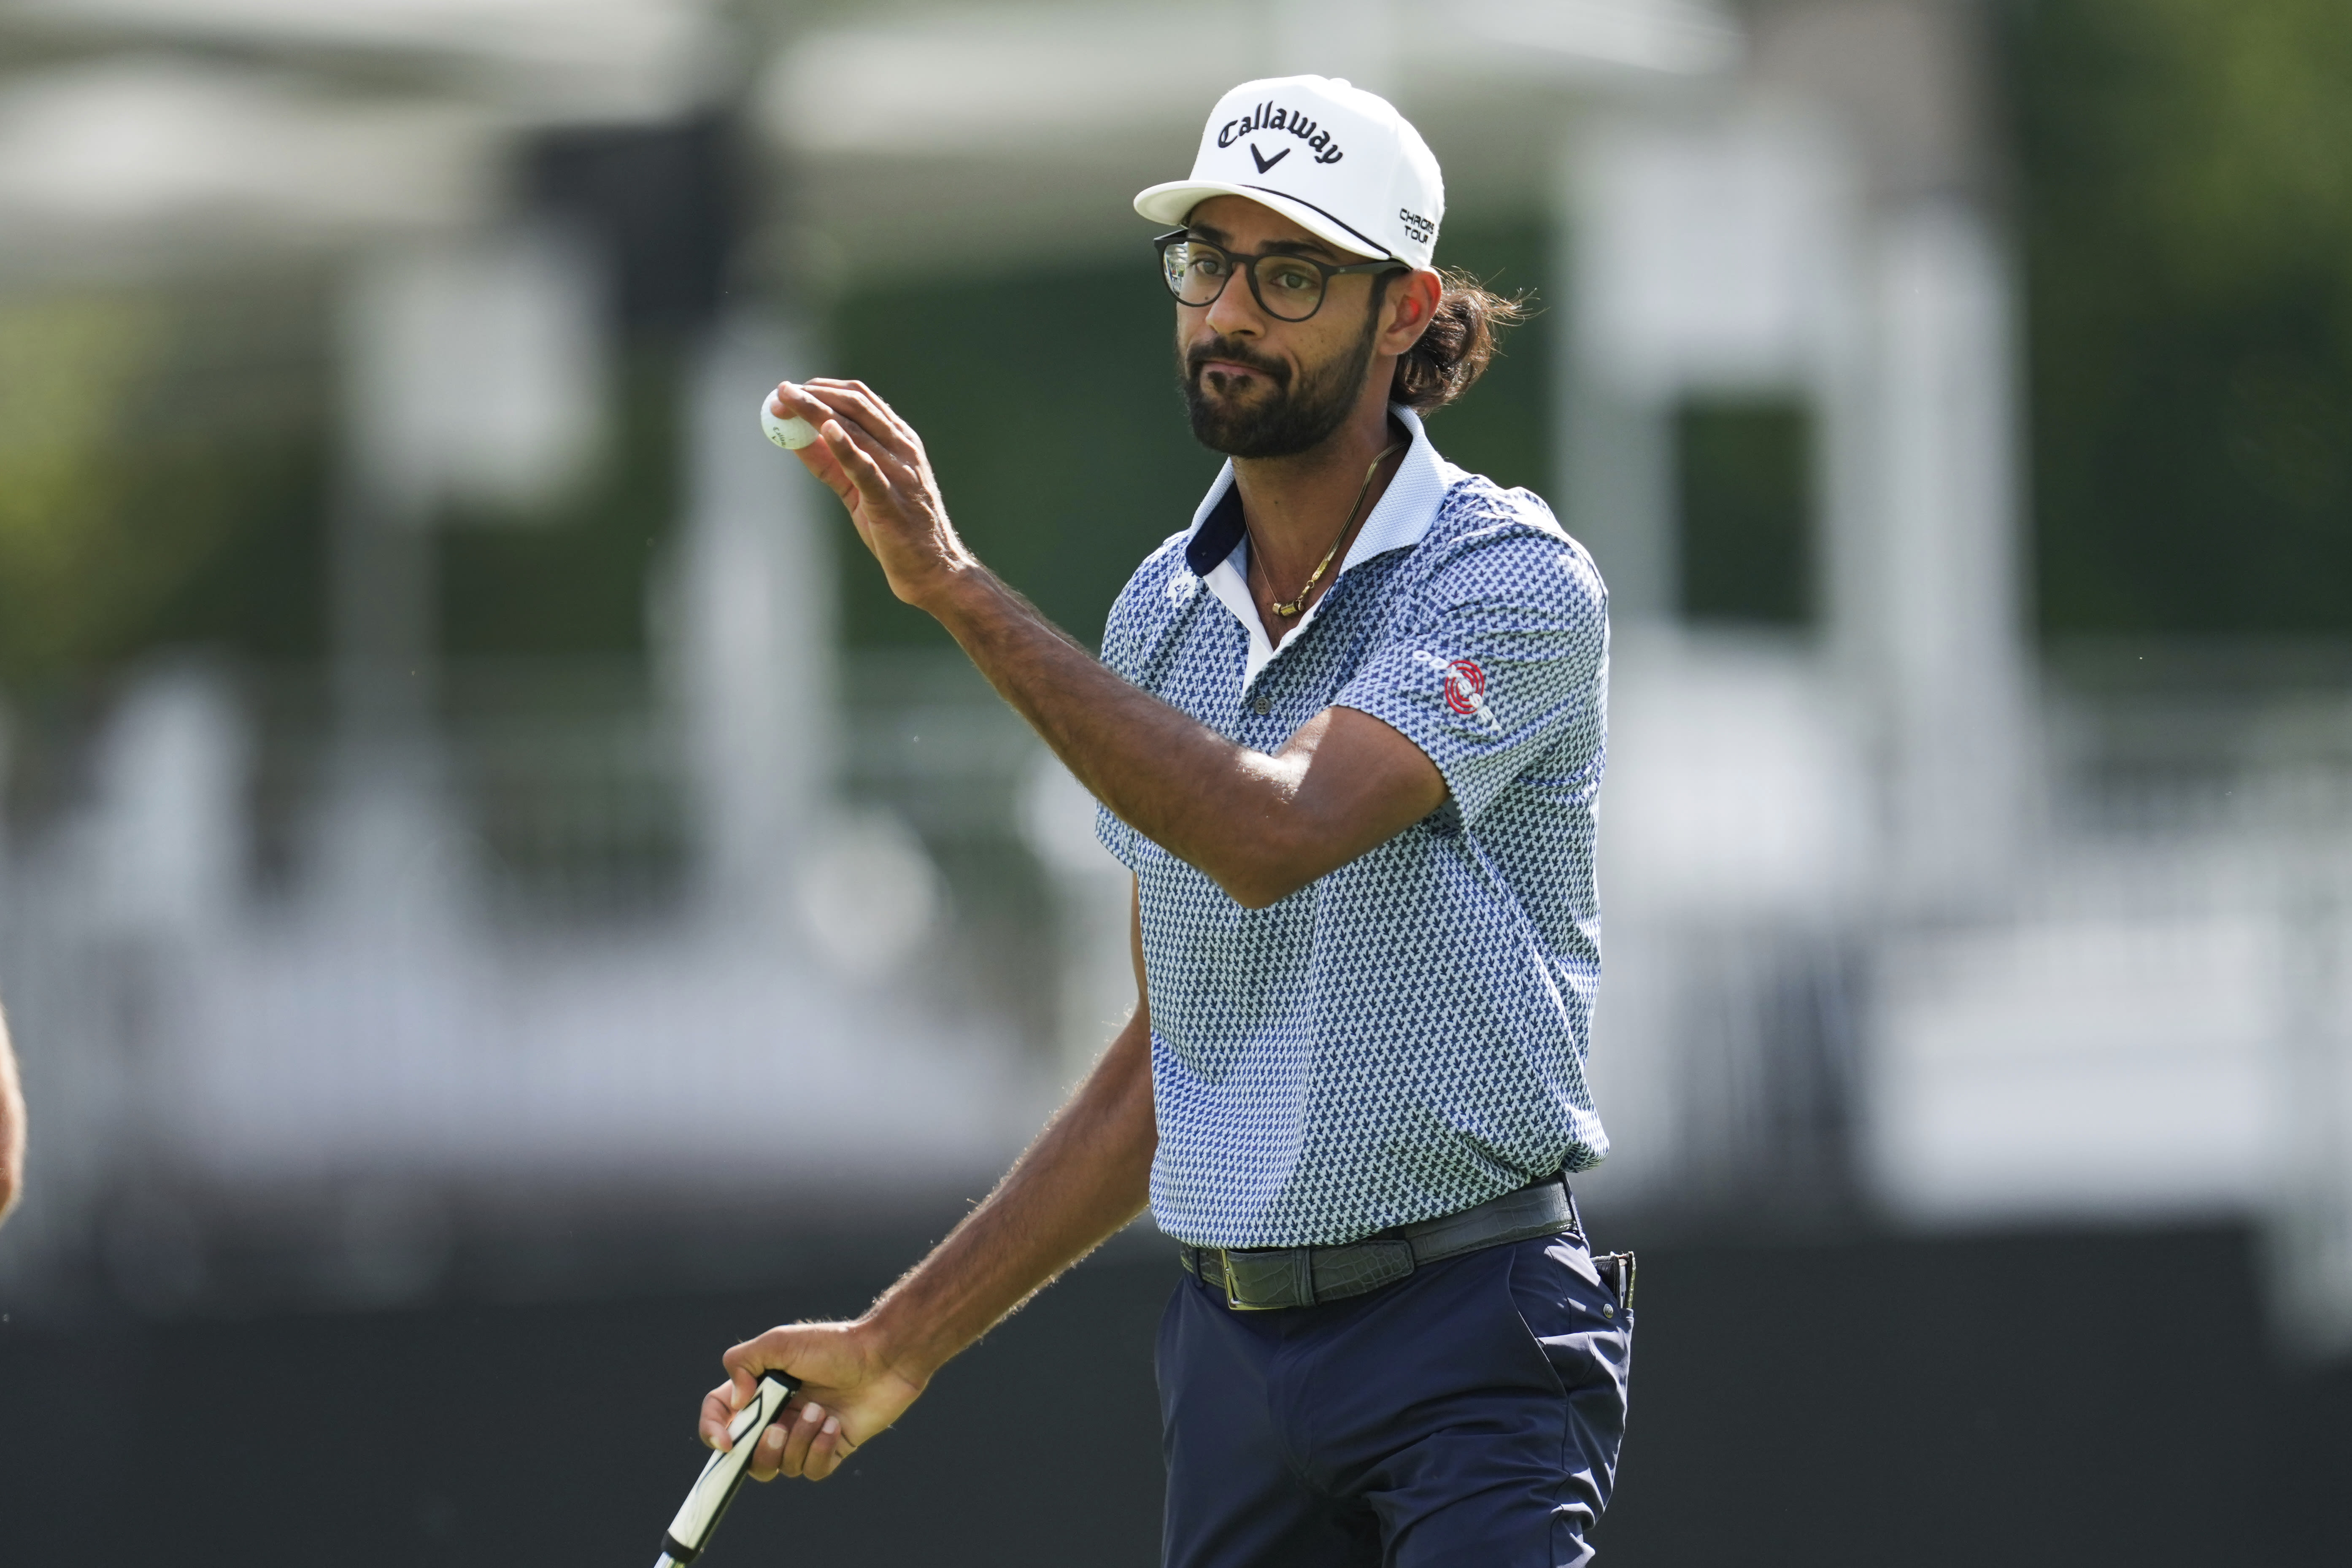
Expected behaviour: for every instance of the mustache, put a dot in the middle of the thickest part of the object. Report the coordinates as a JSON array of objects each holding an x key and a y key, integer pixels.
[{"x": 1226, "y": 349}]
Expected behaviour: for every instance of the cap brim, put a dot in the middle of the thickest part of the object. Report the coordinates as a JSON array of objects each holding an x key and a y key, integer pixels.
[{"x": 1173, "y": 203}]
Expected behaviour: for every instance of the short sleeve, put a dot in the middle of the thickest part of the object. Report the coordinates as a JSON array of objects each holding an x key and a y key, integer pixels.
[
  {"x": 1124, "y": 635},
  {"x": 1116, "y": 836},
  {"x": 1499, "y": 659}
]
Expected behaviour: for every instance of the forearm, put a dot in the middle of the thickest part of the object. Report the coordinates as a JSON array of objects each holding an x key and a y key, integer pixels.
[
  {"x": 1224, "y": 809},
  {"x": 12, "y": 1127},
  {"x": 1087, "y": 1175},
  {"x": 1181, "y": 784},
  {"x": 1261, "y": 825}
]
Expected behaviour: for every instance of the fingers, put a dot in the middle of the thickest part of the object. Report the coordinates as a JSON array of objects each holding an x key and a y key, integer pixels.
[
  {"x": 861, "y": 468},
  {"x": 790, "y": 398},
  {"x": 827, "y": 1450},
  {"x": 744, "y": 1363},
  {"x": 872, "y": 411},
  {"x": 806, "y": 1443},
  {"x": 849, "y": 402},
  {"x": 807, "y": 1440},
  {"x": 788, "y": 401},
  {"x": 808, "y": 1424},
  {"x": 890, "y": 450},
  {"x": 718, "y": 1412},
  {"x": 769, "y": 1460},
  {"x": 846, "y": 1399},
  {"x": 895, "y": 466},
  {"x": 815, "y": 1445}
]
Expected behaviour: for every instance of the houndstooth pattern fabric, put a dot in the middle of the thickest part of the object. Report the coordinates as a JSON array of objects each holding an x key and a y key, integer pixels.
[{"x": 1406, "y": 1037}]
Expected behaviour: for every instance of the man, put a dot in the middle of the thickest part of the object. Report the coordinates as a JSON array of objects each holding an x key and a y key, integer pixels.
[{"x": 1348, "y": 740}]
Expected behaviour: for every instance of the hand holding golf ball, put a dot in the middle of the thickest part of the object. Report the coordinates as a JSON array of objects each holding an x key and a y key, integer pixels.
[
  {"x": 873, "y": 461},
  {"x": 789, "y": 431}
]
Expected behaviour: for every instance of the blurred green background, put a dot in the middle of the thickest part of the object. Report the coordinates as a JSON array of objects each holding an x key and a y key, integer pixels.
[{"x": 2187, "y": 214}]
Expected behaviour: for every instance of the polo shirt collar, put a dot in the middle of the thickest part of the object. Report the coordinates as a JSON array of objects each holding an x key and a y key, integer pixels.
[{"x": 1217, "y": 549}]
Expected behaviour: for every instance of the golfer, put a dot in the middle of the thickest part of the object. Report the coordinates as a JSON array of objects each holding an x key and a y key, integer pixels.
[{"x": 1347, "y": 733}]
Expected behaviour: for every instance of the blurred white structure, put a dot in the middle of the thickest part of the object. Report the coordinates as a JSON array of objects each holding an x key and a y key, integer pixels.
[
  {"x": 373, "y": 1047},
  {"x": 1094, "y": 895},
  {"x": 168, "y": 847},
  {"x": 1796, "y": 237},
  {"x": 747, "y": 632},
  {"x": 475, "y": 370}
]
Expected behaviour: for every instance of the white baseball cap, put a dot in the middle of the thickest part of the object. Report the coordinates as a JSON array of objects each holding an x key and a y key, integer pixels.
[{"x": 1339, "y": 162}]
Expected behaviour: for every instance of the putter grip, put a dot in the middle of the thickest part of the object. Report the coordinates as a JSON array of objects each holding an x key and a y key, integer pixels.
[{"x": 705, "y": 1505}]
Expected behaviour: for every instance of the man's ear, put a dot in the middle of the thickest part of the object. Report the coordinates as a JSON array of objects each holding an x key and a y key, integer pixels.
[{"x": 1411, "y": 307}]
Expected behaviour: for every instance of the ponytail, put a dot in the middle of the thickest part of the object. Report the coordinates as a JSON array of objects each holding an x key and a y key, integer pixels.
[{"x": 1453, "y": 352}]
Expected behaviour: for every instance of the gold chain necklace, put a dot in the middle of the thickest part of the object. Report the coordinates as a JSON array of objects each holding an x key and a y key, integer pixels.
[{"x": 1298, "y": 604}]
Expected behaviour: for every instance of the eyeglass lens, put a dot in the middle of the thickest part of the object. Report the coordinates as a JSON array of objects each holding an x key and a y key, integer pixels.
[{"x": 1289, "y": 289}]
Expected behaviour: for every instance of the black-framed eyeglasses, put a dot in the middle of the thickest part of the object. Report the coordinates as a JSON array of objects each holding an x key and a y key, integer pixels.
[{"x": 1287, "y": 287}]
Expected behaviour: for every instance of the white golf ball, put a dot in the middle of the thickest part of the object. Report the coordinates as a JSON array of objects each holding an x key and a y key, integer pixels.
[{"x": 792, "y": 434}]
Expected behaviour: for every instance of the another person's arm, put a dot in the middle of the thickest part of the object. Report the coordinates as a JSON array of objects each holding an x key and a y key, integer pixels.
[
  {"x": 12, "y": 1126},
  {"x": 1261, "y": 825},
  {"x": 1085, "y": 1177}
]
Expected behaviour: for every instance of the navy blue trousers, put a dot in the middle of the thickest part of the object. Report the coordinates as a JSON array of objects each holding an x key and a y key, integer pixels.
[{"x": 1469, "y": 1414}]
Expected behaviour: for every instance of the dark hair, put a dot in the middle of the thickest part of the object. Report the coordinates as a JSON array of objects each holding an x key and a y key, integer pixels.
[{"x": 1453, "y": 352}]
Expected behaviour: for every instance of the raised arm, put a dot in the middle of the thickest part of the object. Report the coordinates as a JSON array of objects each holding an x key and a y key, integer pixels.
[
  {"x": 1262, "y": 825},
  {"x": 1085, "y": 1177}
]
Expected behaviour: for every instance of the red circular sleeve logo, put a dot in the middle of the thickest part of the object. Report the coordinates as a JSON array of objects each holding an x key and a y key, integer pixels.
[{"x": 1464, "y": 684}]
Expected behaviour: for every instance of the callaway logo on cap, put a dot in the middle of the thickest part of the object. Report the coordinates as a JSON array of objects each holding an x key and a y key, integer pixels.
[{"x": 1339, "y": 162}]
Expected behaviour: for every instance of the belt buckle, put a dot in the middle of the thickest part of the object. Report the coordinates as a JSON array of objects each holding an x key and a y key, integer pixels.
[
  {"x": 1232, "y": 1297},
  {"x": 1233, "y": 1301}
]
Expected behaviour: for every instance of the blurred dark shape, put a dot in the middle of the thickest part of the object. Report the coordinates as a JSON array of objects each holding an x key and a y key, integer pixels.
[
  {"x": 664, "y": 208},
  {"x": 663, "y": 203},
  {"x": 575, "y": 583},
  {"x": 1744, "y": 474},
  {"x": 2040, "y": 1401}
]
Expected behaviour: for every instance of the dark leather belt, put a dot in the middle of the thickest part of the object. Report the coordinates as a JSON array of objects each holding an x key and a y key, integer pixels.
[{"x": 1258, "y": 1278}]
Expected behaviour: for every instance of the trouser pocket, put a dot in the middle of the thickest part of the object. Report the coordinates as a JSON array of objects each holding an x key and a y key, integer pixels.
[{"x": 1617, "y": 1272}]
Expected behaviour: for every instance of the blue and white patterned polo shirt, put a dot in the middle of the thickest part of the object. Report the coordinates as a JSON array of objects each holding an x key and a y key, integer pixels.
[{"x": 1405, "y": 1037}]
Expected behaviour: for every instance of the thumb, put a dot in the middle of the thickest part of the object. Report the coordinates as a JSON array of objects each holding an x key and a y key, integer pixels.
[{"x": 743, "y": 1374}]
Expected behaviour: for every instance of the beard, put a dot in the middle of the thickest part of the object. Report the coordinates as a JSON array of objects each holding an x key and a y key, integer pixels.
[{"x": 1293, "y": 419}]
